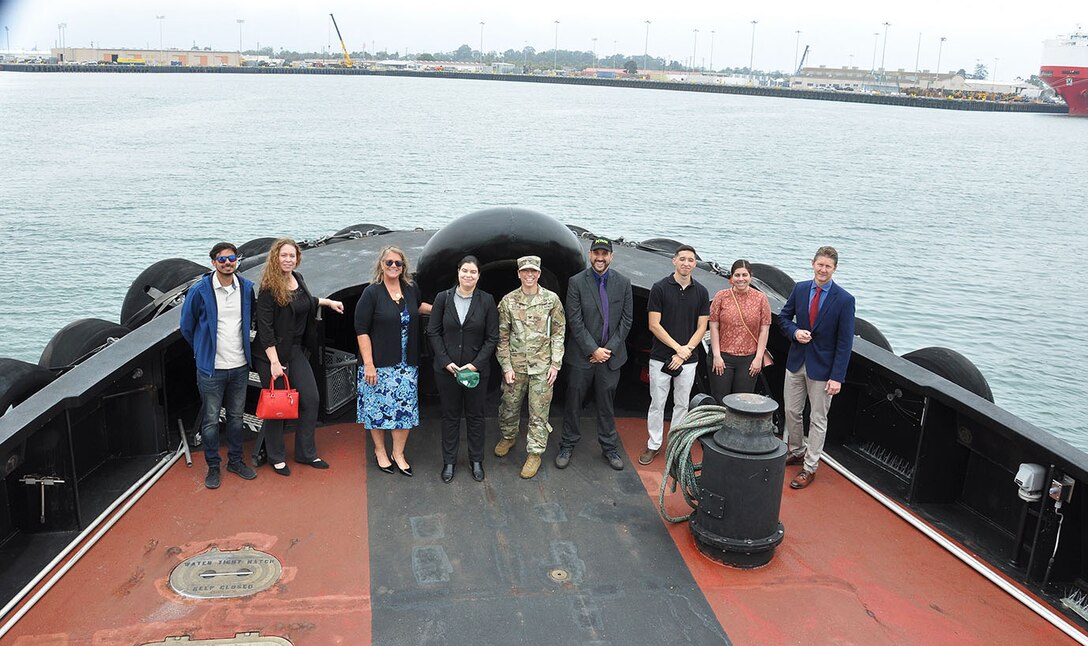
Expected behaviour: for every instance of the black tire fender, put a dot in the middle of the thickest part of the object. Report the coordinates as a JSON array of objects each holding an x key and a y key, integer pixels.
[{"x": 954, "y": 367}]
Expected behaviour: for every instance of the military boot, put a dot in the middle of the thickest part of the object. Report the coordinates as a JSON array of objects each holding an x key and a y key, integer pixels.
[
  {"x": 504, "y": 446},
  {"x": 532, "y": 465}
]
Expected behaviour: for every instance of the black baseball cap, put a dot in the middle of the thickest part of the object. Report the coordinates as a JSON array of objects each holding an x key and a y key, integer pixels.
[{"x": 601, "y": 243}]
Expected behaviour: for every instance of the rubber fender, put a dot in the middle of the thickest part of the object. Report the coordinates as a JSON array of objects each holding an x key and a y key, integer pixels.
[
  {"x": 498, "y": 237},
  {"x": 870, "y": 333},
  {"x": 775, "y": 278},
  {"x": 19, "y": 380},
  {"x": 151, "y": 284},
  {"x": 77, "y": 341},
  {"x": 663, "y": 246},
  {"x": 954, "y": 367},
  {"x": 257, "y": 247}
]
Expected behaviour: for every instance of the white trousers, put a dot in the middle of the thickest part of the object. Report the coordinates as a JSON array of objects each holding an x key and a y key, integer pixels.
[
  {"x": 796, "y": 388},
  {"x": 659, "y": 394}
]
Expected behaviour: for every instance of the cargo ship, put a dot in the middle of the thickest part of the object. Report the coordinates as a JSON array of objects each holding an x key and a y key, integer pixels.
[{"x": 1065, "y": 68}]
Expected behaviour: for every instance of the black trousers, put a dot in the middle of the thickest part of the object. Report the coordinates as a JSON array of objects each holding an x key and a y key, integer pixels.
[
  {"x": 735, "y": 377},
  {"x": 604, "y": 382},
  {"x": 302, "y": 379},
  {"x": 457, "y": 400}
]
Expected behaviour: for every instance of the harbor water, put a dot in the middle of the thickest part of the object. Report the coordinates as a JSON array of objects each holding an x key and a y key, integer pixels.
[{"x": 956, "y": 229}]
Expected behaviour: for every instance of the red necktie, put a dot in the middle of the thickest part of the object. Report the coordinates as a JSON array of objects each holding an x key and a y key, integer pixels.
[{"x": 814, "y": 308}]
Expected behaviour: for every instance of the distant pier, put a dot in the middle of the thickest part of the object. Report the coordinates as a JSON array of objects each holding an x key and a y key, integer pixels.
[{"x": 749, "y": 90}]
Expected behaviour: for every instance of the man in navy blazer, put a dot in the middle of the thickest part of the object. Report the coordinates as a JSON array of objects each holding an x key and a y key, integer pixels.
[
  {"x": 818, "y": 318},
  {"x": 599, "y": 313}
]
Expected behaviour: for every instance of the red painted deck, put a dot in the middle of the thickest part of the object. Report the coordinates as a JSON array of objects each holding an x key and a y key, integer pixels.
[{"x": 848, "y": 571}]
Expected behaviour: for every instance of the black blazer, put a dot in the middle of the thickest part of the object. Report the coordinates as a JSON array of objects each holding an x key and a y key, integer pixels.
[
  {"x": 378, "y": 316},
  {"x": 276, "y": 325},
  {"x": 474, "y": 342},
  {"x": 585, "y": 317}
]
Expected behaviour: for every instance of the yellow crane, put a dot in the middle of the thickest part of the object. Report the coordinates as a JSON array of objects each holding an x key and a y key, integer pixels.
[{"x": 347, "y": 56}]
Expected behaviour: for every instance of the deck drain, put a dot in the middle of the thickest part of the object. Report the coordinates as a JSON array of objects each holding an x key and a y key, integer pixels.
[
  {"x": 559, "y": 574},
  {"x": 232, "y": 573}
]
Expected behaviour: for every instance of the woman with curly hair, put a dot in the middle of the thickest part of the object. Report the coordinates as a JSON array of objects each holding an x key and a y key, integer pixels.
[
  {"x": 286, "y": 338},
  {"x": 387, "y": 324}
]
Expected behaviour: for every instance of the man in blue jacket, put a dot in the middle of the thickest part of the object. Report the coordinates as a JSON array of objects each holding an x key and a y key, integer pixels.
[
  {"x": 822, "y": 338},
  {"x": 215, "y": 320}
]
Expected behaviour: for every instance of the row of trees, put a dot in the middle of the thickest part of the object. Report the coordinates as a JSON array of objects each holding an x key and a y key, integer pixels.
[{"x": 528, "y": 57}]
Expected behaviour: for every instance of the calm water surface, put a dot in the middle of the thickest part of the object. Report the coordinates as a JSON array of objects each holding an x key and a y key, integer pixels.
[{"x": 957, "y": 229}]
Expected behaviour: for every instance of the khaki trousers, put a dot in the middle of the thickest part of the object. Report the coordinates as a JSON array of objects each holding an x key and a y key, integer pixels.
[{"x": 796, "y": 389}]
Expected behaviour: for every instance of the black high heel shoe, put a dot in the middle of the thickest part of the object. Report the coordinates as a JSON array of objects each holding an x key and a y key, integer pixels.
[
  {"x": 388, "y": 469},
  {"x": 403, "y": 472}
]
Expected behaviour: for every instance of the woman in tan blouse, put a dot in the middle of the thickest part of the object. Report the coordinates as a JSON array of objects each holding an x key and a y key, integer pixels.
[{"x": 740, "y": 320}]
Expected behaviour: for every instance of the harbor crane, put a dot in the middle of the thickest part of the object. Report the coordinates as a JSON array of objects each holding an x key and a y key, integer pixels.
[
  {"x": 802, "y": 64},
  {"x": 347, "y": 56}
]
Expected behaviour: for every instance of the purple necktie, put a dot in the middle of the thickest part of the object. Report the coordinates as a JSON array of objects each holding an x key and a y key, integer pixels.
[{"x": 604, "y": 310}]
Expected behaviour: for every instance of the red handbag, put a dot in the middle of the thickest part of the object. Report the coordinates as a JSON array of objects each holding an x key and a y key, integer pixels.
[{"x": 278, "y": 404}]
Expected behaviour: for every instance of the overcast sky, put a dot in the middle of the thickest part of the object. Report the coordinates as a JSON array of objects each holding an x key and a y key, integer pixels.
[{"x": 839, "y": 32}]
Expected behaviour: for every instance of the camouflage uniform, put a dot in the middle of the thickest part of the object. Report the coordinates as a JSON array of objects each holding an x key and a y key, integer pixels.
[{"x": 531, "y": 333}]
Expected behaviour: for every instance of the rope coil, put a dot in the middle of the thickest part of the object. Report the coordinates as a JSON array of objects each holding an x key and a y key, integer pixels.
[{"x": 699, "y": 421}]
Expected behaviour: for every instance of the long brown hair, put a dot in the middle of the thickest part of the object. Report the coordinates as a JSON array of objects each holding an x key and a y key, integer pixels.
[
  {"x": 378, "y": 276},
  {"x": 272, "y": 278}
]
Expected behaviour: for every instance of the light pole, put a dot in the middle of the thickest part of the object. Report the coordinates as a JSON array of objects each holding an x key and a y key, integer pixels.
[
  {"x": 995, "y": 73},
  {"x": 918, "y": 54},
  {"x": 161, "y": 52},
  {"x": 646, "y": 48},
  {"x": 594, "y": 51},
  {"x": 481, "y": 41},
  {"x": 711, "y": 50},
  {"x": 240, "y": 23},
  {"x": 555, "y": 49},
  {"x": 796, "y": 46},
  {"x": 752, "y": 52},
  {"x": 884, "y": 51},
  {"x": 876, "y": 41},
  {"x": 7, "y": 35},
  {"x": 694, "y": 43}
]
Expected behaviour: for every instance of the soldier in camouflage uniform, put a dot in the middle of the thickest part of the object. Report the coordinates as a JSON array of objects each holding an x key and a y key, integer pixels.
[{"x": 530, "y": 353}]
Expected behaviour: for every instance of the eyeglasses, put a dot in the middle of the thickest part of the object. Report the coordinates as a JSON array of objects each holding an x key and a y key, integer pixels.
[
  {"x": 394, "y": 263},
  {"x": 226, "y": 258}
]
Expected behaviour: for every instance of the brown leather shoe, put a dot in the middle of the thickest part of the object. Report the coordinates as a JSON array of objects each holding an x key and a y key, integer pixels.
[
  {"x": 795, "y": 459},
  {"x": 802, "y": 480},
  {"x": 648, "y": 456}
]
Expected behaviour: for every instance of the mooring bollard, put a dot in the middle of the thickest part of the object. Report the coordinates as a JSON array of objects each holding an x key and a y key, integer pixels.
[{"x": 741, "y": 485}]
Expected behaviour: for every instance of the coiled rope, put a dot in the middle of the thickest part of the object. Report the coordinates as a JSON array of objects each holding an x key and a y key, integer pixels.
[{"x": 699, "y": 421}]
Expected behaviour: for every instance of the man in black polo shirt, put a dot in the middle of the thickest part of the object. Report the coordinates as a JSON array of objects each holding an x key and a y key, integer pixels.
[{"x": 679, "y": 308}]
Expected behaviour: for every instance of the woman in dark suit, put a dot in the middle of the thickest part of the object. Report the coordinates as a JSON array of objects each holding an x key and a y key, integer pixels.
[
  {"x": 464, "y": 331},
  {"x": 286, "y": 338}
]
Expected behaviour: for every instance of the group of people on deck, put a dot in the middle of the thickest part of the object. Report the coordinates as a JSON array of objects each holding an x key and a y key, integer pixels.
[{"x": 530, "y": 333}]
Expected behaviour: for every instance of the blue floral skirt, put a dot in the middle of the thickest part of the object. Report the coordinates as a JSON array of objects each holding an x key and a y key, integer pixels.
[{"x": 393, "y": 402}]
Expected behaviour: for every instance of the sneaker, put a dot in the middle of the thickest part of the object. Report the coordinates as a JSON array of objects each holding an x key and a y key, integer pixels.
[
  {"x": 562, "y": 461},
  {"x": 211, "y": 480},
  {"x": 648, "y": 456},
  {"x": 242, "y": 470},
  {"x": 504, "y": 446},
  {"x": 614, "y": 460},
  {"x": 532, "y": 465}
]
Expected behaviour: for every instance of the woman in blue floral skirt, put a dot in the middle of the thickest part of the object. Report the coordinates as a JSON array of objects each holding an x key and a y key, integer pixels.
[{"x": 387, "y": 322}]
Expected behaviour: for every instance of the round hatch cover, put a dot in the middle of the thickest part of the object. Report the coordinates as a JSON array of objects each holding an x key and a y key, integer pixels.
[{"x": 232, "y": 573}]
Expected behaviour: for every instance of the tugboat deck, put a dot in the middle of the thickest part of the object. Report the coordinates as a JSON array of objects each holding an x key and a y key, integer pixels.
[{"x": 574, "y": 556}]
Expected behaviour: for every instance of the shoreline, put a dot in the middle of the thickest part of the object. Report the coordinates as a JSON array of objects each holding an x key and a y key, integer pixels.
[{"x": 815, "y": 95}]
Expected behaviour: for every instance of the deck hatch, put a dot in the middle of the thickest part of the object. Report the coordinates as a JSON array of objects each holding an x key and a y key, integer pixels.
[{"x": 219, "y": 574}]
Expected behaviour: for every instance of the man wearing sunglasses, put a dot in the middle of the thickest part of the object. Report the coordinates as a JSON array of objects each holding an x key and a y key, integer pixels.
[{"x": 216, "y": 319}]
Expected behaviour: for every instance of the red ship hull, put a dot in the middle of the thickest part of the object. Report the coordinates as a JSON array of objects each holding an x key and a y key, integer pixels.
[{"x": 1071, "y": 83}]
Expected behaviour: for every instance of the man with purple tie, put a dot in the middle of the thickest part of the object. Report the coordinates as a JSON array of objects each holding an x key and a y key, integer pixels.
[
  {"x": 818, "y": 318},
  {"x": 599, "y": 311}
]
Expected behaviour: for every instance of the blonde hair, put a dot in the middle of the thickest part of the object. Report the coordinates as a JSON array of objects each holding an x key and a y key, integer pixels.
[
  {"x": 272, "y": 278},
  {"x": 378, "y": 275}
]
